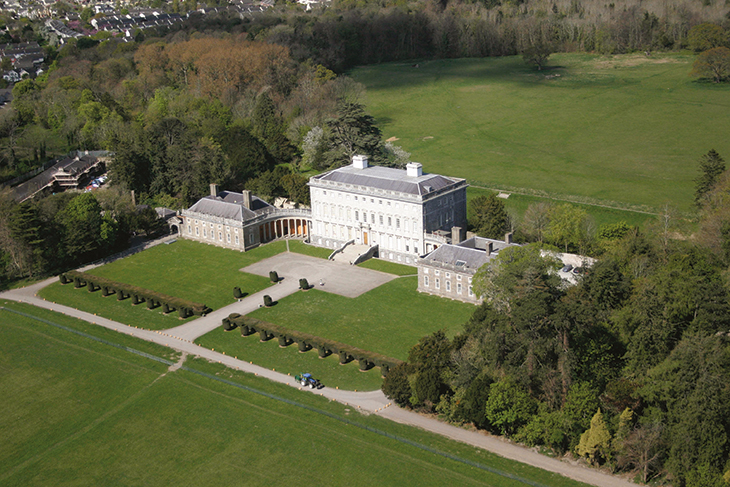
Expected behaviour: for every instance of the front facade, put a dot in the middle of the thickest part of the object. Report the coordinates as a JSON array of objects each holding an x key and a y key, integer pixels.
[
  {"x": 449, "y": 270},
  {"x": 240, "y": 221},
  {"x": 404, "y": 212}
]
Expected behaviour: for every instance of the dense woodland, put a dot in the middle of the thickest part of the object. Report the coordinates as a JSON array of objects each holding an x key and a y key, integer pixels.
[{"x": 627, "y": 369}]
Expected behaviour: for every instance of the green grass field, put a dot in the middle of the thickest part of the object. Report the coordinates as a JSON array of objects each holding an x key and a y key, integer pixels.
[
  {"x": 290, "y": 361},
  {"x": 78, "y": 412},
  {"x": 626, "y": 129},
  {"x": 186, "y": 269},
  {"x": 191, "y": 270},
  {"x": 389, "y": 319},
  {"x": 110, "y": 308},
  {"x": 517, "y": 204},
  {"x": 389, "y": 267},
  {"x": 301, "y": 248}
]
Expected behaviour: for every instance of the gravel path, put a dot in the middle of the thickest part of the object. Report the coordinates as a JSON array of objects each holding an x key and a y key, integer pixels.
[{"x": 373, "y": 402}]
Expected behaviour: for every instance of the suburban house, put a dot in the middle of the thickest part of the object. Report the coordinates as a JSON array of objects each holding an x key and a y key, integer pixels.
[
  {"x": 448, "y": 270},
  {"x": 404, "y": 212},
  {"x": 239, "y": 221}
]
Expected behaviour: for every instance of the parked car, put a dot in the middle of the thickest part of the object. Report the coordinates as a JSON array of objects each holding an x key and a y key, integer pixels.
[{"x": 567, "y": 268}]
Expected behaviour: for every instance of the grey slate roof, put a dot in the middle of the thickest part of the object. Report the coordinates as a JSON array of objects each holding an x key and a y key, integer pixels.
[
  {"x": 388, "y": 179},
  {"x": 228, "y": 205},
  {"x": 472, "y": 259},
  {"x": 231, "y": 197}
]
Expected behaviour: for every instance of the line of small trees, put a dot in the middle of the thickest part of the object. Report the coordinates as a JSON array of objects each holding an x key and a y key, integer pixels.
[
  {"x": 139, "y": 295},
  {"x": 305, "y": 341}
]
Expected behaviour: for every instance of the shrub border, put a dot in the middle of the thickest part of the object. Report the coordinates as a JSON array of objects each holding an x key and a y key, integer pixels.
[
  {"x": 139, "y": 295},
  {"x": 306, "y": 341}
]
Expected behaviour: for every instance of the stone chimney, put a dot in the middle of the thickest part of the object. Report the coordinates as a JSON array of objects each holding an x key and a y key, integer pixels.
[
  {"x": 214, "y": 190},
  {"x": 508, "y": 238},
  {"x": 247, "y": 199},
  {"x": 414, "y": 169},
  {"x": 457, "y": 235},
  {"x": 359, "y": 161}
]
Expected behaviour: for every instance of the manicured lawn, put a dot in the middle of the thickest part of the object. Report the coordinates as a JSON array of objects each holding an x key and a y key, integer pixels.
[
  {"x": 288, "y": 360},
  {"x": 626, "y": 129},
  {"x": 78, "y": 412},
  {"x": 389, "y": 267},
  {"x": 110, "y": 308},
  {"x": 191, "y": 270},
  {"x": 201, "y": 273},
  {"x": 301, "y": 248},
  {"x": 389, "y": 319}
]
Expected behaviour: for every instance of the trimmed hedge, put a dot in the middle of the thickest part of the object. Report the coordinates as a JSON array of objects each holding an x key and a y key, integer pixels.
[
  {"x": 303, "y": 284},
  {"x": 237, "y": 292},
  {"x": 274, "y": 276},
  {"x": 305, "y": 341},
  {"x": 227, "y": 325},
  {"x": 153, "y": 299},
  {"x": 268, "y": 302}
]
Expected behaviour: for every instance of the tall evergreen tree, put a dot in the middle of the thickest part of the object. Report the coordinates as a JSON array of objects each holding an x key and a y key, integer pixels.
[
  {"x": 353, "y": 132},
  {"x": 711, "y": 166},
  {"x": 489, "y": 217}
]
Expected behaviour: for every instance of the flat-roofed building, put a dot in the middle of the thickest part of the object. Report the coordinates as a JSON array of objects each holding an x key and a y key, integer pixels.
[{"x": 405, "y": 212}]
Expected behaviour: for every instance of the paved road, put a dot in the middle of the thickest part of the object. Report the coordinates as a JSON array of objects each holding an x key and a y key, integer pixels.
[{"x": 373, "y": 402}]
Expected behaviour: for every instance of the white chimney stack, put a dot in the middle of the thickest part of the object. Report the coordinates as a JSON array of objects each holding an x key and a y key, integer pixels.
[
  {"x": 359, "y": 162},
  {"x": 414, "y": 169}
]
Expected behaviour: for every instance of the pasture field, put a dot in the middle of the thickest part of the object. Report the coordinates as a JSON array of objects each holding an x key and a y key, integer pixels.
[
  {"x": 389, "y": 319},
  {"x": 79, "y": 412},
  {"x": 624, "y": 130},
  {"x": 517, "y": 204}
]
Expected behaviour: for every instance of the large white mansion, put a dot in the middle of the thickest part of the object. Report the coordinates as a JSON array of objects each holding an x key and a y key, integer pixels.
[{"x": 405, "y": 212}]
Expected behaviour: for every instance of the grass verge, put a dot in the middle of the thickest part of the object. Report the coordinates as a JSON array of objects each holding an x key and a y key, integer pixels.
[{"x": 389, "y": 267}]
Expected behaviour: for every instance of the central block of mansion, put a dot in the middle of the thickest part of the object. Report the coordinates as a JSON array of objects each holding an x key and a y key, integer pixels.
[{"x": 405, "y": 212}]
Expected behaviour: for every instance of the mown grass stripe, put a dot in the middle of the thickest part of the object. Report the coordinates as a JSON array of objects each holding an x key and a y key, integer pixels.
[{"x": 288, "y": 401}]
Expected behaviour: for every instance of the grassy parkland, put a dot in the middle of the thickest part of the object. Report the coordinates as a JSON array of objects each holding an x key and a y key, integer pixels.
[
  {"x": 593, "y": 129},
  {"x": 77, "y": 411},
  {"x": 517, "y": 204}
]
